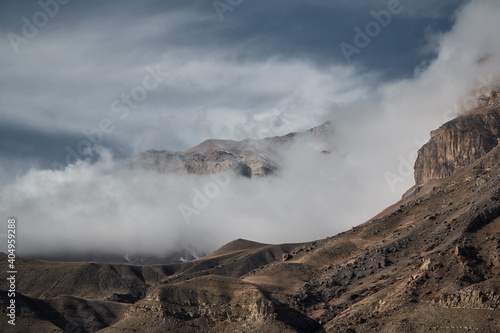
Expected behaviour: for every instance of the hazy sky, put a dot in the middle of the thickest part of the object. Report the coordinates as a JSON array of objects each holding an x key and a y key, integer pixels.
[{"x": 122, "y": 77}]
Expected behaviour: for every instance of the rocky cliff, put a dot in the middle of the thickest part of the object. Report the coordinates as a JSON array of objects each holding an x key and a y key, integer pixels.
[
  {"x": 461, "y": 141},
  {"x": 248, "y": 157}
]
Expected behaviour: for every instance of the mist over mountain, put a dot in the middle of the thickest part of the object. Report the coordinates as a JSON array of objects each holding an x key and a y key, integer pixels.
[
  {"x": 250, "y": 166},
  {"x": 248, "y": 158},
  {"x": 98, "y": 204},
  {"x": 430, "y": 261}
]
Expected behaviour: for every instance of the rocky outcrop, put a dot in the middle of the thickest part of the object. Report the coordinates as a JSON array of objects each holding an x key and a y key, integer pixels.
[
  {"x": 461, "y": 141},
  {"x": 215, "y": 297},
  {"x": 247, "y": 158},
  {"x": 211, "y": 162},
  {"x": 488, "y": 96},
  {"x": 472, "y": 297}
]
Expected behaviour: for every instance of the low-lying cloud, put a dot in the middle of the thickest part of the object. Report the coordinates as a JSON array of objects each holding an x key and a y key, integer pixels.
[{"x": 105, "y": 206}]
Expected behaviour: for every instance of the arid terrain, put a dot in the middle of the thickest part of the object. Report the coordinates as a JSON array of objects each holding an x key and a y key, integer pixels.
[{"x": 430, "y": 262}]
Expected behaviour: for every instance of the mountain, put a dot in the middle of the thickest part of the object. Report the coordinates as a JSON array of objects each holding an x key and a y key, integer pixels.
[
  {"x": 247, "y": 158},
  {"x": 429, "y": 262}
]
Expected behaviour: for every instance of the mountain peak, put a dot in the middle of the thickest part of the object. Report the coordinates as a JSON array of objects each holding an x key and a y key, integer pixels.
[{"x": 249, "y": 157}]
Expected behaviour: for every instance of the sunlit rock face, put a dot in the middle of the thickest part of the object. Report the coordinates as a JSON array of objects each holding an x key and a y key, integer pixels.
[{"x": 461, "y": 141}]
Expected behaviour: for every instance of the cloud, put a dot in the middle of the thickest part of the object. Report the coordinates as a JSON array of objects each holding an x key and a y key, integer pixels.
[
  {"x": 391, "y": 128},
  {"x": 377, "y": 129},
  {"x": 106, "y": 207},
  {"x": 67, "y": 76},
  {"x": 208, "y": 96}
]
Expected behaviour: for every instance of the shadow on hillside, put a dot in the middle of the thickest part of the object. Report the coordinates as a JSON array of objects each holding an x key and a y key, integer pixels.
[{"x": 294, "y": 318}]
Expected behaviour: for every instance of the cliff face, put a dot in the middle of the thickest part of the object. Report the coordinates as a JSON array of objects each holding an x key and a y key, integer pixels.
[
  {"x": 461, "y": 141},
  {"x": 222, "y": 299},
  {"x": 247, "y": 157}
]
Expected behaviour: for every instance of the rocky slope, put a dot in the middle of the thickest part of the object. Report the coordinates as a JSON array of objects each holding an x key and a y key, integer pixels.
[
  {"x": 461, "y": 141},
  {"x": 247, "y": 157}
]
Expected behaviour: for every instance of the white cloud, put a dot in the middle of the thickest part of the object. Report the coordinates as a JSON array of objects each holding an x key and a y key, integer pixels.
[
  {"x": 106, "y": 207},
  {"x": 103, "y": 206},
  {"x": 208, "y": 95}
]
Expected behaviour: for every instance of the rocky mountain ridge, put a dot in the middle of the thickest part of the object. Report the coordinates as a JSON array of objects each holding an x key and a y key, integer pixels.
[{"x": 248, "y": 158}]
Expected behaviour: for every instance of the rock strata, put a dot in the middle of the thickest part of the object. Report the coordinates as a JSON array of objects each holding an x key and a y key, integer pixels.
[{"x": 461, "y": 141}]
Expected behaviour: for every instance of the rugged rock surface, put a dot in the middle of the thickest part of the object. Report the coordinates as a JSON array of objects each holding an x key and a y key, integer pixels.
[
  {"x": 461, "y": 141},
  {"x": 221, "y": 299},
  {"x": 247, "y": 157}
]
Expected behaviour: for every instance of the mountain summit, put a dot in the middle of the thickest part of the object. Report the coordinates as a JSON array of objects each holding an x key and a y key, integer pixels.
[{"x": 248, "y": 158}]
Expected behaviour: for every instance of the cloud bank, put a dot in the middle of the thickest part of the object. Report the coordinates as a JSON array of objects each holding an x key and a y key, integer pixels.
[{"x": 103, "y": 205}]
